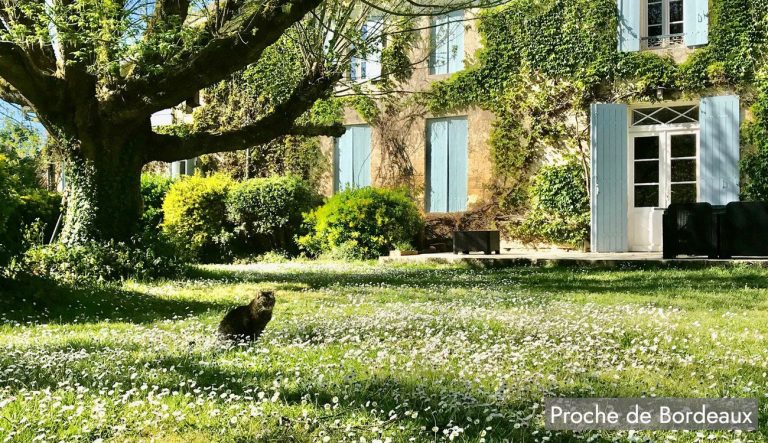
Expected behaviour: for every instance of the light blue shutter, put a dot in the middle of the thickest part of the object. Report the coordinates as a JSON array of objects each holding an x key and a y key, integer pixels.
[
  {"x": 438, "y": 58},
  {"x": 719, "y": 149},
  {"x": 457, "y": 164},
  {"x": 438, "y": 166},
  {"x": 696, "y": 22},
  {"x": 609, "y": 211},
  {"x": 362, "y": 156},
  {"x": 629, "y": 25},
  {"x": 344, "y": 160},
  {"x": 190, "y": 166},
  {"x": 455, "y": 41}
]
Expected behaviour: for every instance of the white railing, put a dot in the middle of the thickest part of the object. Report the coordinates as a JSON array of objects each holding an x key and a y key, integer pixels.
[{"x": 663, "y": 41}]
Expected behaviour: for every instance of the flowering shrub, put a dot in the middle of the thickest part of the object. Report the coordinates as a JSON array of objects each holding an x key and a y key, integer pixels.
[{"x": 362, "y": 223}]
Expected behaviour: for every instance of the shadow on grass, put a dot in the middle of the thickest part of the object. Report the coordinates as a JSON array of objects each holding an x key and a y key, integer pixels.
[
  {"x": 34, "y": 300},
  {"x": 709, "y": 288}
]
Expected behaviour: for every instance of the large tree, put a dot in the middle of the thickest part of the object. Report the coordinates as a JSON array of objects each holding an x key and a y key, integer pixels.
[{"x": 94, "y": 71}]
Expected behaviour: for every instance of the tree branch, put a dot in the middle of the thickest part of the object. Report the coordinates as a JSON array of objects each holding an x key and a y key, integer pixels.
[
  {"x": 11, "y": 95},
  {"x": 241, "y": 42},
  {"x": 282, "y": 121},
  {"x": 29, "y": 82},
  {"x": 179, "y": 148}
]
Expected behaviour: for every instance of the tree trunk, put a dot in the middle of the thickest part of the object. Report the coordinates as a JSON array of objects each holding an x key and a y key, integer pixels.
[{"x": 103, "y": 195}]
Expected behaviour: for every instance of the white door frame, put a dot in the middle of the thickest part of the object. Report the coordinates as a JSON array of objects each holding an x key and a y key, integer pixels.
[{"x": 649, "y": 219}]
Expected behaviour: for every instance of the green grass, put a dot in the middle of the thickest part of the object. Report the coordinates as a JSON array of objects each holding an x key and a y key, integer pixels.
[{"x": 363, "y": 351}]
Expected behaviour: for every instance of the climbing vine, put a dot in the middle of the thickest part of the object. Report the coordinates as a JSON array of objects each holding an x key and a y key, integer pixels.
[{"x": 545, "y": 61}]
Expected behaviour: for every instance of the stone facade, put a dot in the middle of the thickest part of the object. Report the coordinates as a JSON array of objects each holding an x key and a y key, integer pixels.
[{"x": 409, "y": 127}]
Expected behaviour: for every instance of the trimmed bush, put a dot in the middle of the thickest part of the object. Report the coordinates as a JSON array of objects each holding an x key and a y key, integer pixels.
[
  {"x": 268, "y": 212},
  {"x": 195, "y": 217},
  {"x": 361, "y": 223},
  {"x": 153, "y": 190}
]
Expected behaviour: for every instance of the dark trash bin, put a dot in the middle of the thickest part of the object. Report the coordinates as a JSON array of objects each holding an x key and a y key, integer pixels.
[
  {"x": 744, "y": 230},
  {"x": 476, "y": 241},
  {"x": 690, "y": 229}
]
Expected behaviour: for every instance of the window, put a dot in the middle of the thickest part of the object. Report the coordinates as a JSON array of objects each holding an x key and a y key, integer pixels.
[
  {"x": 646, "y": 171},
  {"x": 367, "y": 64},
  {"x": 682, "y": 176},
  {"x": 447, "y": 43},
  {"x": 664, "y": 169},
  {"x": 447, "y": 164},
  {"x": 664, "y": 19},
  {"x": 665, "y": 115},
  {"x": 352, "y": 158}
]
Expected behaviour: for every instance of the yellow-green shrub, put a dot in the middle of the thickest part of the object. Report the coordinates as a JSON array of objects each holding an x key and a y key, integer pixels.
[
  {"x": 362, "y": 223},
  {"x": 195, "y": 217}
]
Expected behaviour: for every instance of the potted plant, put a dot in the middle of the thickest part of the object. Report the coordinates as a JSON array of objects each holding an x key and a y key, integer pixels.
[{"x": 402, "y": 248}]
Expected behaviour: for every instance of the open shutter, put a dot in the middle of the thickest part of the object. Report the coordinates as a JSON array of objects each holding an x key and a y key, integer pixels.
[
  {"x": 719, "y": 149},
  {"x": 344, "y": 160},
  {"x": 457, "y": 164},
  {"x": 696, "y": 22},
  {"x": 437, "y": 200},
  {"x": 362, "y": 156},
  {"x": 190, "y": 166},
  {"x": 629, "y": 25},
  {"x": 609, "y": 210},
  {"x": 438, "y": 57},
  {"x": 455, "y": 41},
  {"x": 375, "y": 26}
]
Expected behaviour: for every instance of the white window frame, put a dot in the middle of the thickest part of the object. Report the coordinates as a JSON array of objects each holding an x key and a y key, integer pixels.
[
  {"x": 360, "y": 68},
  {"x": 664, "y": 131},
  {"x": 434, "y": 30},
  {"x": 666, "y": 39}
]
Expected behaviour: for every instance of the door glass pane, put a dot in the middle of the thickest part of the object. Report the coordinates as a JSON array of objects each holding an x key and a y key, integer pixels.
[
  {"x": 647, "y": 171},
  {"x": 646, "y": 196},
  {"x": 683, "y": 171},
  {"x": 683, "y": 145},
  {"x": 646, "y": 147},
  {"x": 684, "y": 193}
]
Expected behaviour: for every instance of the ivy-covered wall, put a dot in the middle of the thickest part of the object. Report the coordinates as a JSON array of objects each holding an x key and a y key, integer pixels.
[{"x": 545, "y": 61}]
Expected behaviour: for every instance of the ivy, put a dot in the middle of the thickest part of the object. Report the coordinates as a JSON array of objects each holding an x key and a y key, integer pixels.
[{"x": 545, "y": 61}]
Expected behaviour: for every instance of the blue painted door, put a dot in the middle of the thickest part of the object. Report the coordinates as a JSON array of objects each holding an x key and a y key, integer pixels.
[
  {"x": 447, "y": 165},
  {"x": 609, "y": 207},
  {"x": 352, "y": 158},
  {"x": 719, "y": 145}
]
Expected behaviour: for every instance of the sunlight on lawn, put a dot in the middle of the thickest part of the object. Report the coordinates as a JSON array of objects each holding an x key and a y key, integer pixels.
[{"x": 363, "y": 352}]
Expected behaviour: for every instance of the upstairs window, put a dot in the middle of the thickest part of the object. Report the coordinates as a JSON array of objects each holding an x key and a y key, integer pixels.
[
  {"x": 367, "y": 64},
  {"x": 665, "y": 23},
  {"x": 447, "y": 43},
  {"x": 656, "y": 24}
]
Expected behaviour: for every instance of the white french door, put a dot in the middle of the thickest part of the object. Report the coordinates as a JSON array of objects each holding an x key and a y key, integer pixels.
[{"x": 663, "y": 169}]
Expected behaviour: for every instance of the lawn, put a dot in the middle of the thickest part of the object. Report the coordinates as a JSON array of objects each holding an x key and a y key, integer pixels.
[{"x": 367, "y": 352}]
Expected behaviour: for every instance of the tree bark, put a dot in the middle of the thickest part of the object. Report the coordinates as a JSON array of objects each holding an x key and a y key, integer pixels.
[{"x": 103, "y": 195}]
